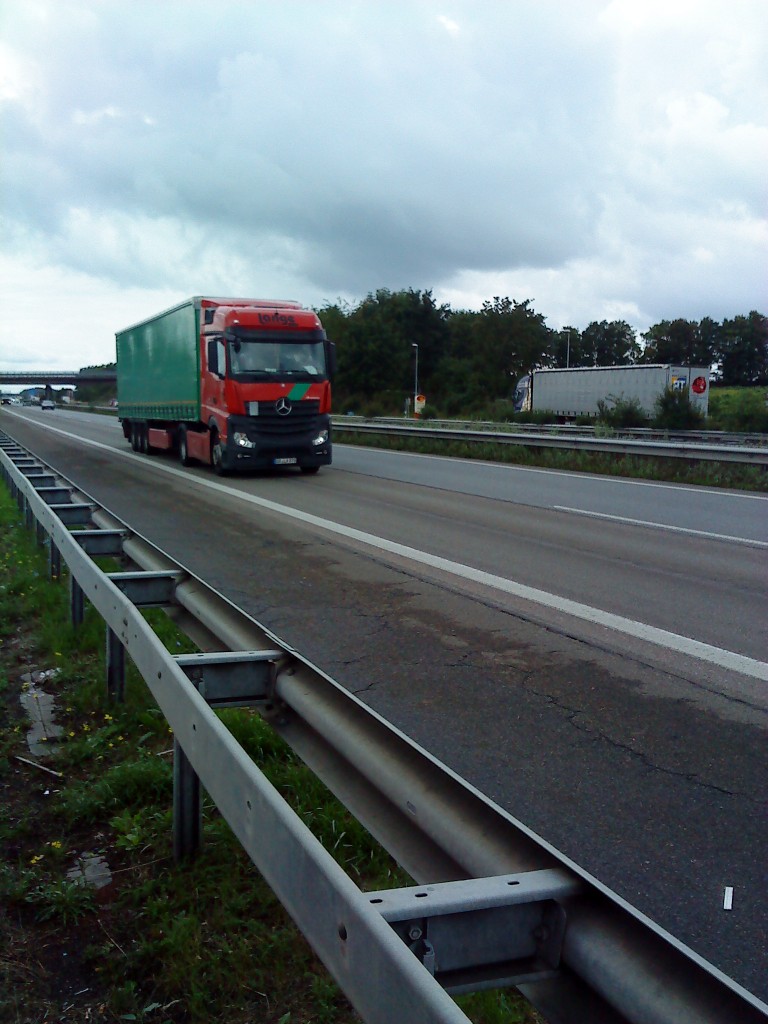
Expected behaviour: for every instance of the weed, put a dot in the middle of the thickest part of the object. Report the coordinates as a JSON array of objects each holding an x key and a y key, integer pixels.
[
  {"x": 63, "y": 899},
  {"x": 130, "y": 784},
  {"x": 16, "y": 882},
  {"x": 618, "y": 411}
]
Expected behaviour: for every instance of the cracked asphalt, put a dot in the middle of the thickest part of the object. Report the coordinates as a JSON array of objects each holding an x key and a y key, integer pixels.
[{"x": 648, "y": 771}]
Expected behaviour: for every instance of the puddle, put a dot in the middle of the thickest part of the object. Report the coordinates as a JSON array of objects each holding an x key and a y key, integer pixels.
[
  {"x": 39, "y": 707},
  {"x": 91, "y": 869}
]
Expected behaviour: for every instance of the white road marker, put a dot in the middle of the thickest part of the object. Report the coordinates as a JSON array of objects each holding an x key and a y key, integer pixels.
[
  {"x": 662, "y": 526},
  {"x": 728, "y": 898}
]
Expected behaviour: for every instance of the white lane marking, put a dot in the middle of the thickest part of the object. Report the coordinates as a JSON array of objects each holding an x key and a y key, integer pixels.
[
  {"x": 663, "y": 526},
  {"x": 715, "y": 492},
  {"x": 618, "y": 623},
  {"x": 728, "y": 898}
]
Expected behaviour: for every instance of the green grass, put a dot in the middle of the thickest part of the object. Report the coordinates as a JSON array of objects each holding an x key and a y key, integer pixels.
[
  {"x": 722, "y": 474},
  {"x": 163, "y": 943}
]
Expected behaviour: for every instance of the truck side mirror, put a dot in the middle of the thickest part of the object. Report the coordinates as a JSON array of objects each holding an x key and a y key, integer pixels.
[{"x": 330, "y": 359}]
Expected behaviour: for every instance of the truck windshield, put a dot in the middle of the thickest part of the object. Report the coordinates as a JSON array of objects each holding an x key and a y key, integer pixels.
[
  {"x": 521, "y": 393},
  {"x": 276, "y": 356}
]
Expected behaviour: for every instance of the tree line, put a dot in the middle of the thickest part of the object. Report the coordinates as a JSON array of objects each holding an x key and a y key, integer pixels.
[{"x": 469, "y": 359}]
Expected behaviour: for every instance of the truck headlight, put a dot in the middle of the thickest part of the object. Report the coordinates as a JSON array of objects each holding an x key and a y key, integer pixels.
[
  {"x": 242, "y": 440},
  {"x": 322, "y": 438}
]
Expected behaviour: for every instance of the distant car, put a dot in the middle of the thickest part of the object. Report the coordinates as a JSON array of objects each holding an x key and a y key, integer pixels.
[{"x": 47, "y": 403}]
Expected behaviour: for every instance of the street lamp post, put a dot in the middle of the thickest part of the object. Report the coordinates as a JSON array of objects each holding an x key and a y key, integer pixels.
[
  {"x": 415, "y": 373},
  {"x": 568, "y": 349}
]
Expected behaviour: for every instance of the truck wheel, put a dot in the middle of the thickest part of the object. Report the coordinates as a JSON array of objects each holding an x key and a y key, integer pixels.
[
  {"x": 217, "y": 455},
  {"x": 184, "y": 458},
  {"x": 143, "y": 439},
  {"x": 135, "y": 437}
]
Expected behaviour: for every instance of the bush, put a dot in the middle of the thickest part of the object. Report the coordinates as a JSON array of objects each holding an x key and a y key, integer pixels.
[
  {"x": 675, "y": 412},
  {"x": 618, "y": 411},
  {"x": 740, "y": 410}
]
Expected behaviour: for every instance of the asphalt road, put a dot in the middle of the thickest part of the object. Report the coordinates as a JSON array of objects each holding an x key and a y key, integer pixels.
[{"x": 589, "y": 652}]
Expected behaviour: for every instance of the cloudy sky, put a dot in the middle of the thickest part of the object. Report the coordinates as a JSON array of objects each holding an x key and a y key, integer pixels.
[{"x": 604, "y": 158}]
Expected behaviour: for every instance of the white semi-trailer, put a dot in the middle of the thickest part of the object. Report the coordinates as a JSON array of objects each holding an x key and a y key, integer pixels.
[{"x": 577, "y": 391}]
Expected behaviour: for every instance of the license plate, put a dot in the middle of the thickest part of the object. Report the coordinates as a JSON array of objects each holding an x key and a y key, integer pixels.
[{"x": 285, "y": 462}]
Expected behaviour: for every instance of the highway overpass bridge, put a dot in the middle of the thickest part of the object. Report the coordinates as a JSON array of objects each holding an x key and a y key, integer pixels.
[{"x": 49, "y": 377}]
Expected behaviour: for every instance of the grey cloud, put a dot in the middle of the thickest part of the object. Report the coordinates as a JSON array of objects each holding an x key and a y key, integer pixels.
[{"x": 354, "y": 146}]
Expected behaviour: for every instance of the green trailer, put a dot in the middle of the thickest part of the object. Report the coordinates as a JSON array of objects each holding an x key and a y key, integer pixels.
[{"x": 158, "y": 366}]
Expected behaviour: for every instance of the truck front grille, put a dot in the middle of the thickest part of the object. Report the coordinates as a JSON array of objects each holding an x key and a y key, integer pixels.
[{"x": 299, "y": 420}]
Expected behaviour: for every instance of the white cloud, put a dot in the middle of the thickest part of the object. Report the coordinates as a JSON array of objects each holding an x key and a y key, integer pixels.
[
  {"x": 596, "y": 157},
  {"x": 94, "y": 116},
  {"x": 451, "y": 27}
]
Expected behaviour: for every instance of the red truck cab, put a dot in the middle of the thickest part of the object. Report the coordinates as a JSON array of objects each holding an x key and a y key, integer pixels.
[{"x": 265, "y": 385}]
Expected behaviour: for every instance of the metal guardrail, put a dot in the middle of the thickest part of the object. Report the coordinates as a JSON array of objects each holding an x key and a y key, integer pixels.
[
  {"x": 579, "y": 439},
  {"x": 716, "y": 437},
  {"x": 495, "y": 904}
]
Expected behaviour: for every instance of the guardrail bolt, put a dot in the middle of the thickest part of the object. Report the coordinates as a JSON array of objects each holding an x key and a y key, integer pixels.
[{"x": 414, "y": 933}]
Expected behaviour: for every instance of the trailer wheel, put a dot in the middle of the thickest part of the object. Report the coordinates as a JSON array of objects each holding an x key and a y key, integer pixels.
[
  {"x": 184, "y": 458},
  {"x": 135, "y": 436},
  {"x": 143, "y": 439},
  {"x": 217, "y": 455}
]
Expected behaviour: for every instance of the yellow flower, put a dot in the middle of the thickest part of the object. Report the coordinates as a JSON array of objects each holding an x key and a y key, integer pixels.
[
  {"x": 86, "y": 728},
  {"x": 55, "y": 844},
  {"x": 107, "y": 718},
  {"x": 34, "y": 860}
]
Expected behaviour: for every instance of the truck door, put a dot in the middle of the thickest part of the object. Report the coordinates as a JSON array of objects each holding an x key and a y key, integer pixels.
[{"x": 212, "y": 399}]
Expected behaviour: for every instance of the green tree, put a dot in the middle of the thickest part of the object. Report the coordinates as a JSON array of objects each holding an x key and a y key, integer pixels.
[
  {"x": 567, "y": 348},
  {"x": 334, "y": 317},
  {"x": 609, "y": 343},
  {"x": 743, "y": 350},
  {"x": 458, "y": 383},
  {"x": 680, "y": 341},
  {"x": 375, "y": 342},
  {"x": 510, "y": 339}
]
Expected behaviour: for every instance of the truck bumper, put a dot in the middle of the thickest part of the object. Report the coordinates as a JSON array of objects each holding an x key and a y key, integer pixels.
[{"x": 247, "y": 449}]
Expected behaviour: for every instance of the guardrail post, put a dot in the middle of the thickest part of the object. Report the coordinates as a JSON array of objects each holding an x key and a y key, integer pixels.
[
  {"x": 187, "y": 806},
  {"x": 54, "y": 561},
  {"x": 115, "y": 667},
  {"x": 224, "y": 679},
  {"x": 76, "y": 602}
]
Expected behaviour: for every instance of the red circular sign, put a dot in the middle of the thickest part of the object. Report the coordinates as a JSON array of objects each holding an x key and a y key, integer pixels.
[{"x": 699, "y": 385}]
